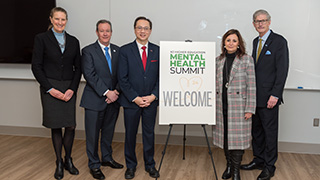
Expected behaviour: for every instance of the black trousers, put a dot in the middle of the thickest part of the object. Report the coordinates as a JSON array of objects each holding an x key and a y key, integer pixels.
[{"x": 265, "y": 136}]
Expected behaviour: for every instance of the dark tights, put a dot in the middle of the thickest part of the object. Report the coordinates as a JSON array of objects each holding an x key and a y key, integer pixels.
[{"x": 66, "y": 141}]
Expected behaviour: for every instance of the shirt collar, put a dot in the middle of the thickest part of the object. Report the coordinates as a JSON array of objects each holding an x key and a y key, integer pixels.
[
  {"x": 265, "y": 37},
  {"x": 103, "y": 46},
  {"x": 140, "y": 45}
]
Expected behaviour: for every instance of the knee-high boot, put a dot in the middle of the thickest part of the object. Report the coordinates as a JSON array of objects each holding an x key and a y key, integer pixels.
[
  {"x": 227, "y": 173},
  {"x": 236, "y": 158}
]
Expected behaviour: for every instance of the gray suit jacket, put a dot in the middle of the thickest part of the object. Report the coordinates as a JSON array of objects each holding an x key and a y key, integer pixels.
[{"x": 97, "y": 74}]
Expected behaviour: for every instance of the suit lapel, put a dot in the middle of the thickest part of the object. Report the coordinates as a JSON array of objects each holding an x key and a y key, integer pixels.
[
  {"x": 265, "y": 47},
  {"x": 254, "y": 49},
  {"x": 113, "y": 59},
  {"x": 135, "y": 50},
  {"x": 150, "y": 55},
  {"x": 234, "y": 68},
  {"x": 67, "y": 43},
  {"x": 54, "y": 40},
  {"x": 102, "y": 57},
  {"x": 220, "y": 71}
]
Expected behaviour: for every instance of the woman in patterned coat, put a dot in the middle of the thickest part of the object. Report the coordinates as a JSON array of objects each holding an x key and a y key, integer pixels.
[{"x": 235, "y": 101}]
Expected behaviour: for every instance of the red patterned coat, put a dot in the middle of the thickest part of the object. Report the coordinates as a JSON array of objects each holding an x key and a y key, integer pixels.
[{"x": 241, "y": 99}]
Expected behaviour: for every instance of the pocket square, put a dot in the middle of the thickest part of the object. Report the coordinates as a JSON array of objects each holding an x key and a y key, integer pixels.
[
  {"x": 154, "y": 60},
  {"x": 268, "y": 52}
]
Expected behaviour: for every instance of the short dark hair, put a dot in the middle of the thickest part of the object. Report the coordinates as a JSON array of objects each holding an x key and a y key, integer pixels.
[
  {"x": 142, "y": 18},
  {"x": 242, "y": 48},
  {"x": 102, "y": 21}
]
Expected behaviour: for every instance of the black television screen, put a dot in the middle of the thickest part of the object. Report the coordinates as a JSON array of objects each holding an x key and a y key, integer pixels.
[{"x": 21, "y": 20}]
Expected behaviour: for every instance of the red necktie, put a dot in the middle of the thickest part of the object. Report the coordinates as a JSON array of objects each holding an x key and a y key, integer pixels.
[{"x": 144, "y": 57}]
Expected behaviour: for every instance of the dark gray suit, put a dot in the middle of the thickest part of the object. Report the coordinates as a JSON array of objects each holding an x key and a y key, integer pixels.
[
  {"x": 271, "y": 74},
  {"x": 98, "y": 114}
]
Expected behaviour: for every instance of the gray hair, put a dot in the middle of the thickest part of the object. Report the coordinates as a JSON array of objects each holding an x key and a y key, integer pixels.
[{"x": 259, "y": 12}]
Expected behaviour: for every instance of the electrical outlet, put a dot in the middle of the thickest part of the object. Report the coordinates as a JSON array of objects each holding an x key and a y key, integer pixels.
[{"x": 316, "y": 122}]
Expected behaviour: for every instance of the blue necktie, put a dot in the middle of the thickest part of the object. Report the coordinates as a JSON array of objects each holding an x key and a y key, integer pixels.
[{"x": 108, "y": 58}]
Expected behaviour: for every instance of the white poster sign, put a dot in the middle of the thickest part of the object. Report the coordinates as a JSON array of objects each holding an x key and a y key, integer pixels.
[{"x": 187, "y": 83}]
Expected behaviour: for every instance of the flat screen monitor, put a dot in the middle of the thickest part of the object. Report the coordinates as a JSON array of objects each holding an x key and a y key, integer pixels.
[{"x": 21, "y": 20}]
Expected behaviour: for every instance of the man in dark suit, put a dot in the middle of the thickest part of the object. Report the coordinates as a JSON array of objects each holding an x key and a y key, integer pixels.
[
  {"x": 99, "y": 65},
  {"x": 139, "y": 81},
  {"x": 270, "y": 51}
]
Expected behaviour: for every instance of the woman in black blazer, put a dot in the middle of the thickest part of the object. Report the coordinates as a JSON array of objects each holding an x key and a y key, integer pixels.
[{"x": 56, "y": 66}]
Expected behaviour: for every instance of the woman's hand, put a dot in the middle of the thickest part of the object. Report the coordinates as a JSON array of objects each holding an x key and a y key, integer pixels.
[
  {"x": 247, "y": 116},
  {"x": 56, "y": 93},
  {"x": 68, "y": 95}
]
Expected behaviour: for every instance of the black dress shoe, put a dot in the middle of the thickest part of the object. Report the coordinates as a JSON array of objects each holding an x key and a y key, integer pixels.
[
  {"x": 113, "y": 164},
  {"x": 68, "y": 165},
  {"x": 129, "y": 174},
  {"x": 265, "y": 175},
  {"x": 153, "y": 172},
  {"x": 58, "y": 174},
  {"x": 252, "y": 165},
  {"x": 97, "y": 173}
]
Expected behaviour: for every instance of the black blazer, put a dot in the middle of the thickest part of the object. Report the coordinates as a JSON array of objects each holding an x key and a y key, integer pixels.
[
  {"x": 271, "y": 68},
  {"x": 133, "y": 80},
  {"x": 49, "y": 62},
  {"x": 97, "y": 74}
]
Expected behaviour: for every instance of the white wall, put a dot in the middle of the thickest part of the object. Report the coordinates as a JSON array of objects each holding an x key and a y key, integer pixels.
[
  {"x": 19, "y": 92},
  {"x": 296, "y": 117},
  {"x": 208, "y": 20}
]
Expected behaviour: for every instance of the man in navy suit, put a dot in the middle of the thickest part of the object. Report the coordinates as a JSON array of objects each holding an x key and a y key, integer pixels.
[
  {"x": 139, "y": 82},
  {"x": 270, "y": 52},
  {"x": 100, "y": 95}
]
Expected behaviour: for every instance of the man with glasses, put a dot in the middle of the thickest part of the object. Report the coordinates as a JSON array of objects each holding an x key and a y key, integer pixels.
[
  {"x": 270, "y": 52},
  {"x": 138, "y": 76}
]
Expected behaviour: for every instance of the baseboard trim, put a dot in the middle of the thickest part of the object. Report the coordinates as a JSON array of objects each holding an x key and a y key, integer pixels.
[{"x": 291, "y": 147}]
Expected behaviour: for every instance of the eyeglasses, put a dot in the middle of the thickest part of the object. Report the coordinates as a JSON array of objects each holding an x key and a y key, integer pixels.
[
  {"x": 140, "y": 28},
  {"x": 260, "y": 21}
]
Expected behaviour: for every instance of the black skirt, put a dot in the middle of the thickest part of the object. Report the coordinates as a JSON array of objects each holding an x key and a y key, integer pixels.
[{"x": 57, "y": 113}]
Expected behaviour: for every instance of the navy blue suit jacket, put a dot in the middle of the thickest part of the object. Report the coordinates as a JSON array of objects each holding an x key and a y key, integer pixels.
[
  {"x": 133, "y": 80},
  {"x": 97, "y": 74},
  {"x": 271, "y": 68}
]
